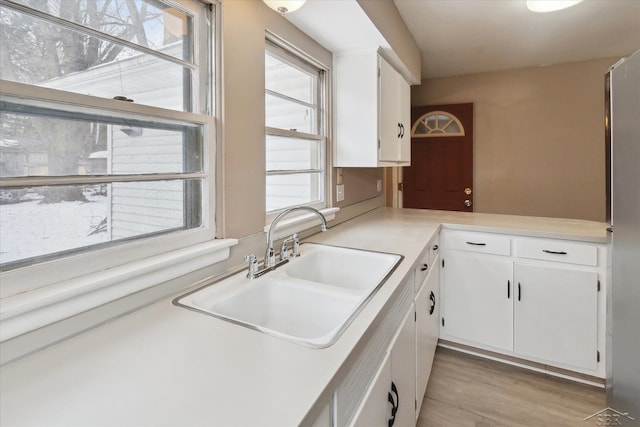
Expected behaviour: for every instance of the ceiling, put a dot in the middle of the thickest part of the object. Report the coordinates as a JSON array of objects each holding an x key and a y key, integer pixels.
[{"x": 472, "y": 36}]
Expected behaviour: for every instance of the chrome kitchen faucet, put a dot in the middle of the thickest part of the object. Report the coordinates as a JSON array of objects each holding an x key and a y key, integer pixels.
[{"x": 270, "y": 262}]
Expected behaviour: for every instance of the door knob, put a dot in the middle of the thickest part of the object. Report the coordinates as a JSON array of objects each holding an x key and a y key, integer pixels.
[
  {"x": 467, "y": 191},
  {"x": 467, "y": 203}
]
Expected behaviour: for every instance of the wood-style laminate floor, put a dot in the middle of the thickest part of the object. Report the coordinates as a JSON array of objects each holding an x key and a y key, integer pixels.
[{"x": 466, "y": 390}]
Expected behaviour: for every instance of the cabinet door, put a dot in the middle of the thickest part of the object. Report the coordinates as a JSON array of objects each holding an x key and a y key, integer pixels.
[
  {"x": 389, "y": 122},
  {"x": 403, "y": 374},
  {"x": 556, "y": 315},
  {"x": 404, "y": 117},
  {"x": 478, "y": 298},
  {"x": 375, "y": 409},
  {"x": 356, "y": 109},
  {"x": 427, "y": 317}
]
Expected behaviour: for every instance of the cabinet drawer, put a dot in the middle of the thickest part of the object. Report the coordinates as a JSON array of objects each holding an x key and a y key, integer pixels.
[
  {"x": 476, "y": 242},
  {"x": 557, "y": 250},
  {"x": 422, "y": 270},
  {"x": 426, "y": 263},
  {"x": 434, "y": 246}
]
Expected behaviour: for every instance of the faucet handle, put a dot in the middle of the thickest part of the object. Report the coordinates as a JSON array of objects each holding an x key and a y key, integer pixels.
[
  {"x": 253, "y": 265},
  {"x": 284, "y": 252}
]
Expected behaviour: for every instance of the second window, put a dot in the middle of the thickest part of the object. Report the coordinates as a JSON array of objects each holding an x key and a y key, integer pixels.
[{"x": 295, "y": 131}]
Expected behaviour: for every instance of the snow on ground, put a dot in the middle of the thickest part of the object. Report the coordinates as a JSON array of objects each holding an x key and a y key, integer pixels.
[{"x": 29, "y": 229}]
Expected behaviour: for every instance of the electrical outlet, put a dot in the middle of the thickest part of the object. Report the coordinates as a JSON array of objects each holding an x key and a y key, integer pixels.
[
  {"x": 379, "y": 185},
  {"x": 339, "y": 193}
]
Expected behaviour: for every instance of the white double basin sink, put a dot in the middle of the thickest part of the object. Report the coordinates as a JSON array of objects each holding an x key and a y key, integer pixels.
[{"x": 310, "y": 300}]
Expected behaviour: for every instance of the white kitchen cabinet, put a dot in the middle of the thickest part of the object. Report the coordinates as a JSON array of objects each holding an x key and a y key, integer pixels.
[
  {"x": 372, "y": 111},
  {"x": 538, "y": 299},
  {"x": 394, "y": 116},
  {"x": 391, "y": 398},
  {"x": 375, "y": 409},
  {"x": 427, "y": 330},
  {"x": 477, "y": 292},
  {"x": 555, "y": 315},
  {"x": 403, "y": 374},
  {"x": 358, "y": 392},
  {"x": 425, "y": 264}
]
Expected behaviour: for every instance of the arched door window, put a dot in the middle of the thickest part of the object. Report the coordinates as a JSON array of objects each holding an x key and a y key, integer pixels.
[{"x": 437, "y": 123}]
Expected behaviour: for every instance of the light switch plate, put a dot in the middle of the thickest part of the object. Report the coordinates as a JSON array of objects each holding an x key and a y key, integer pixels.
[
  {"x": 339, "y": 193},
  {"x": 379, "y": 185}
]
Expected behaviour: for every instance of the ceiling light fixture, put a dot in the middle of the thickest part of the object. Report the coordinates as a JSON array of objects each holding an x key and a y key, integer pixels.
[
  {"x": 550, "y": 5},
  {"x": 284, "y": 6}
]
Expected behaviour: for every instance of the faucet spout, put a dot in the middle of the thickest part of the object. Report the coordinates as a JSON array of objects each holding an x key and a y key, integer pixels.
[{"x": 269, "y": 257}]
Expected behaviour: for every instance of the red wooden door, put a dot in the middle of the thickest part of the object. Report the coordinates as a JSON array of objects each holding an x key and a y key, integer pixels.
[{"x": 441, "y": 171}]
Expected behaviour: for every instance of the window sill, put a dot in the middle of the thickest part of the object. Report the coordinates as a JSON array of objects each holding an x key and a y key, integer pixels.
[
  {"x": 29, "y": 311},
  {"x": 298, "y": 223}
]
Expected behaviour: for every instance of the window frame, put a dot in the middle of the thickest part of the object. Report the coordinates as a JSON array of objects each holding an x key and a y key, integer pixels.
[
  {"x": 301, "y": 60},
  {"x": 29, "y": 287},
  {"x": 439, "y": 130}
]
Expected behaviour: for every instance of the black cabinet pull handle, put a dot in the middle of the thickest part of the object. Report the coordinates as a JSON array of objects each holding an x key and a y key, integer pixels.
[
  {"x": 399, "y": 130},
  {"x": 519, "y": 292},
  {"x": 546, "y": 251},
  {"x": 476, "y": 244},
  {"x": 424, "y": 267},
  {"x": 435, "y": 247},
  {"x": 508, "y": 289},
  {"x": 432, "y": 306},
  {"x": 395, "y": 403}
]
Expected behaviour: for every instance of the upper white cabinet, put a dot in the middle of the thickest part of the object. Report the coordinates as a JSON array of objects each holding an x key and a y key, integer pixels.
[
  {"x": 394, "y": 117},
  {"x": 372, "y": 109}
]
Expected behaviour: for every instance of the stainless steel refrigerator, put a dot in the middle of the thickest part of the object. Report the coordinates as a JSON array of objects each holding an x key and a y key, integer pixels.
[{"x": 623, "y": 310}]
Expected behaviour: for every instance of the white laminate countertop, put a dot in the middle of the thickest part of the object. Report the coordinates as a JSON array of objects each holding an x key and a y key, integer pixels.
[{"x": 165, "y": 365}]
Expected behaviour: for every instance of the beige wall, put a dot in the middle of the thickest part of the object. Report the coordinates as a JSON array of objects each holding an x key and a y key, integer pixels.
[
  {"x": 539, "y": 137},
  {"x": 359, "y": 184}
]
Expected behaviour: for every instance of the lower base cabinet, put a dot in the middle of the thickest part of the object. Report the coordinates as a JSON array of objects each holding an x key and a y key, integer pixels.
[
  {"x": 555, "y": 315},
  {"x": 391, "y": 399},
  {"x": 539, "y": 299},
  {"x": 427, "y": 331},
  {"x": 376, "y": 409},
  {"x": 403, "y": 374},
  {"x": 478, "y": 305},
  {"x": 536, "y": 299}
]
